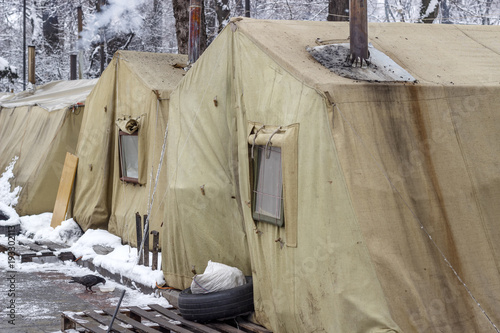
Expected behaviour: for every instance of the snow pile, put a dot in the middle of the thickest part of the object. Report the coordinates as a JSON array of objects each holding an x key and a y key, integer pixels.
[
  {"x": 8, "y": 199},
  {"x": 38, "y": 227},
  {"x": 8, "y": 215},
  {"x": 121, "y": 260},
  {"x": 3, "y": 63},
  {"x": 83, "y": 247},
  {"x": 6, "y": 196}
]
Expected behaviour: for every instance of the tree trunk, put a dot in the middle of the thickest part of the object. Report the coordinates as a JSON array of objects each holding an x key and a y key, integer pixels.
[
  {"x": 445, "y": 12},
  {"x": 429, "y": 18},
  {"x": 338, "y": 10},
  {"x": 222, "y": 11},
  {"x": 181, "y": 15}
]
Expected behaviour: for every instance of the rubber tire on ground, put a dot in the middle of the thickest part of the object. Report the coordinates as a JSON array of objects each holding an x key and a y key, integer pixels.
[{"x": 218, "y": 305}]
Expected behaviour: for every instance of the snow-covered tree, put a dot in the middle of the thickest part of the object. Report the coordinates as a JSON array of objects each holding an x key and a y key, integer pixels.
[{"x": 162, "y": 26}]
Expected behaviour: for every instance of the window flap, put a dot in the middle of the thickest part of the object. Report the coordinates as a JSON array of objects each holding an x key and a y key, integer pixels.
[
  {"x": 285, "y": 137},
  {"x": 128, "y": 124}
]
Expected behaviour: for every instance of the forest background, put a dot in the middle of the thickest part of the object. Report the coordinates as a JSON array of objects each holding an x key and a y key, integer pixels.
[{"x": 162, "y": 26}]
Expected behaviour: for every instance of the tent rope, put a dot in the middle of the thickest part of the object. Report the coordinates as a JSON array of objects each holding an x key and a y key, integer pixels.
[
  {"x": 254, "y": 138},
  {"x": 269, "y": 143},
  {"x": 422, "y": 227}
]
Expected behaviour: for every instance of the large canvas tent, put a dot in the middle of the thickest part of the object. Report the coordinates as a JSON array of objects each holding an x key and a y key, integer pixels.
[
  {"x": 39, "y": 127},
  {"x": 134, "y": 89},
  {"x": 390, "y": 189}
]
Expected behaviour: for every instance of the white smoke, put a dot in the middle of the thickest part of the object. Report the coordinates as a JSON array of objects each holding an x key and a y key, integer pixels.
[{"x": 117, "y": 17}]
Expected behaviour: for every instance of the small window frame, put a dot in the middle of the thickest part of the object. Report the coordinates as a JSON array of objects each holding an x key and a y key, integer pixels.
[
  {"x": 120, "y": 158},
  {"x": 262, "y": 153}
]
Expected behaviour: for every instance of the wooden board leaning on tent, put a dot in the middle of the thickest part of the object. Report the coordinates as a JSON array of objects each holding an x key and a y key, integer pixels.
[{"x": 64, "y": 191}]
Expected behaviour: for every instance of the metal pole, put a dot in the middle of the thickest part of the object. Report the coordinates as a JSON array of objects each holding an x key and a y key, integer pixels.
[
  {"x": 24, "y": 44},
  {"x": 358, "y": 17},
  {"x": 146, "y": 241},
  {"x": 31, "y": 64},
  {"x": 194, "y": 30},
  {"x": 247, "y": 8},
  {"x": 156, "y": 236},
  {"x": 72, "y": 66},
  {"x": 80, "y": 53},
  {"x": 101, "y": 54},
  {"x": 116, "y": 312},
  {"x": 138, "y": 230}
]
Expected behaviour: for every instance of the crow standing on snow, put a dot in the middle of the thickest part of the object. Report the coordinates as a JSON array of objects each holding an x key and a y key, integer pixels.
[{"x": 88, "y": 281}]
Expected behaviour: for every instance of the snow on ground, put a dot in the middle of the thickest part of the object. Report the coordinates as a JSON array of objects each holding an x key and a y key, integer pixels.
[
  {"x": 69, "y": 268},
  {"x": 116, "y": 258},
  {"x": 121, "y": 259}
]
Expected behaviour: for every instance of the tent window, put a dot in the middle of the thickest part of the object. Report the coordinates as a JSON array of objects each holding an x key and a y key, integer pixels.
[
  {"x": 268, "y": 186},
  {"x": 129, "y": 157}
]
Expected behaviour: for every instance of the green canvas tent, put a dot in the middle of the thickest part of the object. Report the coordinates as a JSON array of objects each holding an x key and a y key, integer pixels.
[
  {"x": 39, "y": 127},
  {"x": 132, "y": 98},
  {"x": 387, "y": 216}
]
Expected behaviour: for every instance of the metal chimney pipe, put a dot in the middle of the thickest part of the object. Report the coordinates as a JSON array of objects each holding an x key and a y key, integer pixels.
[
  {"x": 358, "y": 25},
  {"x": 24, "y": 44},
  {"x": 247, "y": 8},
  {"x": 31, "y": 64},
  {"x": 194, "y": 30},
  {"x": 72, "y": 66},
  {"x": 80, "y": 20},
  {"x": 80, "y": 29},
  {"x": 101, "y": 54}
]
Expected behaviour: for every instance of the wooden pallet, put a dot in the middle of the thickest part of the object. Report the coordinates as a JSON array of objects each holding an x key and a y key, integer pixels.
[
  {"x": 41, "y": 251},
  {"x": 151, "y": 319}
]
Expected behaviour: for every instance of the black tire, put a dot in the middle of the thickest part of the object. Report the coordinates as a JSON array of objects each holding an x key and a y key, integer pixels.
[{"x": 218, "y": 305}]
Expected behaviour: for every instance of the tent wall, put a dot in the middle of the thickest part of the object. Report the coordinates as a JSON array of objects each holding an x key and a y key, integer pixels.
[
  {"x": 203, "y": 218},
  {"x": 40, "y": 139},
  {"x": 92, "y": 199},
  {"x": 327, "y": 282},
  {"x": 135, "y": 85},
  {"x": 421, "y": 168},
  {"x": 396, "y": 183},
  {"x": 139, "y": 101}
]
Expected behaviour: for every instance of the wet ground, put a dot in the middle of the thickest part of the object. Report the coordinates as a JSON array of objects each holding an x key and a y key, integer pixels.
[{"x": 40, "y": 297}]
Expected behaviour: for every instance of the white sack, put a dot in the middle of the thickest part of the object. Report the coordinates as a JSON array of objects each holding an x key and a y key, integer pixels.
[{"x": 217, "y": 277}]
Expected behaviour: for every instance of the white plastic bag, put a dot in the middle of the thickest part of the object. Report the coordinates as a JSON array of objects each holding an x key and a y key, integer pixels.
[{"x": 217, "y": 277}]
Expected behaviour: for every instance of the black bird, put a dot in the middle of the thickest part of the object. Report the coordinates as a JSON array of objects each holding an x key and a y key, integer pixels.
[{"x": 88, "y": 281}]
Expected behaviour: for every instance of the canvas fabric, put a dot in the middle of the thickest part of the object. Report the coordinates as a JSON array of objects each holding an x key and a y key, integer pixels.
[
  {"x": 396, "y": 220},
  {"x": 39, "y": 128},
  {"x": 135, "y": 85}
]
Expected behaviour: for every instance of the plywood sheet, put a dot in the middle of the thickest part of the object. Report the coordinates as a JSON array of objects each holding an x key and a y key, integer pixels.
[{"x": 64, "y": 192}]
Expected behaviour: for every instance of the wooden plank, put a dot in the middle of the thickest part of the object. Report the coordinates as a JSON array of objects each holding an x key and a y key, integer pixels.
[
  {"x": 251, "y": 326},
  {"x": 64, "y": 191},
  {"x": 36, "y": 247},
  {"x": 86, "y": 322},
  {"x": 106, "y": 320},
  {"x": 161, "y": 321},
  {"x": 137, "y": 325},
  {"x": 167, "y": 313},
  {"x": 225, "y": 328}
]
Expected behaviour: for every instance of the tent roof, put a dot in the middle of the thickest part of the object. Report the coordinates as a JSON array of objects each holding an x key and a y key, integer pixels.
[
  {"x": 432, "y": 53},
  {"x": 5, "y": 96},
  {"x": 52, "y": 96},
  {"x": 159, "y": 71}
]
